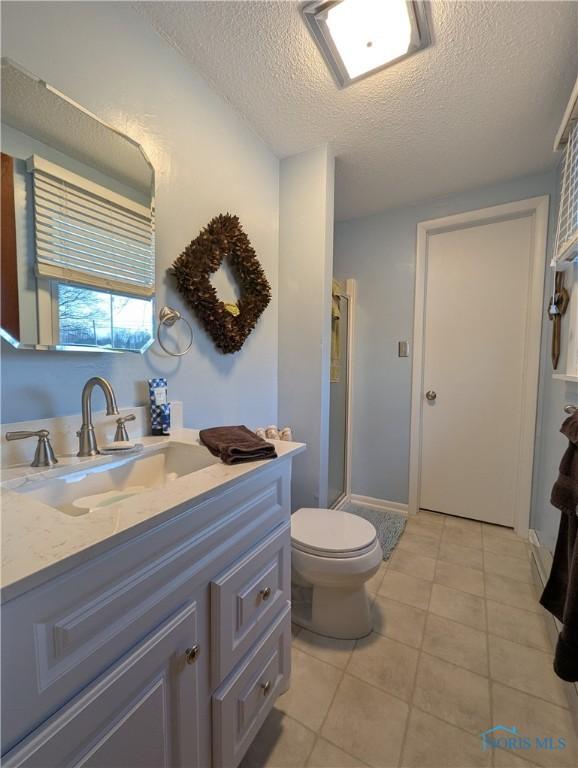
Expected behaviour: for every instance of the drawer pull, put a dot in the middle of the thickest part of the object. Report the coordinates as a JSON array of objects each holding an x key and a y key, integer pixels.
[
  {"x": 192, "y": 654},
  {"x": 265, "y": 593},
  {"x": 266, "y": 687}
]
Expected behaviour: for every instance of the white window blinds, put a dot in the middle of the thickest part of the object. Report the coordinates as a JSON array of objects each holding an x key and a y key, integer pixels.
[
  {"x": 567, "y": 233},
  {"x": 88, "y": 234}
]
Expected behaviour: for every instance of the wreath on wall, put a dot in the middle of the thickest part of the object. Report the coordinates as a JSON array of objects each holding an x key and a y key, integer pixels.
[{"x": 229, "y": 325}]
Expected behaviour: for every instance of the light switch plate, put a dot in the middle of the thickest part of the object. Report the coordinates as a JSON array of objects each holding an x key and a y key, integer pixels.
[{"x": 403, "y": 348}]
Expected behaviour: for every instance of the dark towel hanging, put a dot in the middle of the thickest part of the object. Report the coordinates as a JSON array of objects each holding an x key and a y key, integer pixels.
[
  {"x": 560, "y": 595},
  {"x": 234, "y": 445}
]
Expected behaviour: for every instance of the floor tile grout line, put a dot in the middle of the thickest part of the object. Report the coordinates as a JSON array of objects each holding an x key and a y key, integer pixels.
[
  {"x": 493, "y": 634},
  {"x": 463, "y": 624},
  {"x": 349, "y": 754},
  {"x": 312, "y": 750},
  {"x": 548, "y": 653},
  {"x": 400, "y": 602},
  {"x": 453, "y": 663},
  {"x": 317, "y": 658},
  {"x": 500, "y": 554},
  {"x": 421, "y": 652},
  {"x": 518, "y": 607},
  {"x": 343, "y": 673},
  {"x": 531, "y": 695},
  {"x": 337, "y": 687},
  {"x": 511, "y": 578},
  {"x": 411, "y": 575},
  {"x": 487, "y": 677},
  {"x": 439, "y": 719},
  {"x": 417, "y": 666},
  {"x": 294, "y": 719},
  {"x": 317, "y": 733}
]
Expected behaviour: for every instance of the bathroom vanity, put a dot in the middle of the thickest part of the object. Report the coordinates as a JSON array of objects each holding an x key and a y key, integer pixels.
[
  {"x": 145, "y": 597},
  {"x": 152, "y": 627}
]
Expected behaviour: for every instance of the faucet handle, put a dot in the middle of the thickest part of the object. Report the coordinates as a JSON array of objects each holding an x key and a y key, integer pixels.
[
  {"x": 121, "y": 435},
  {"x": 23, "y": 434},
  {"x": 44, "y": 455}
]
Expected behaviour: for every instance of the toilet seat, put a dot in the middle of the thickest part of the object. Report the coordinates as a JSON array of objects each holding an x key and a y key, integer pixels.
[{"x": 331, "y": 533}]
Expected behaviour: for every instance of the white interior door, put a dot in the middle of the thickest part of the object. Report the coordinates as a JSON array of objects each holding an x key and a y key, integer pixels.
[{"x": 477, "y": 295}]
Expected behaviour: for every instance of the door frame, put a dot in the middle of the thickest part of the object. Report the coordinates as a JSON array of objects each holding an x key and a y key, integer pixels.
[
  {"x": 350, "y": 293},
  {"x": 537, "y": 208}
]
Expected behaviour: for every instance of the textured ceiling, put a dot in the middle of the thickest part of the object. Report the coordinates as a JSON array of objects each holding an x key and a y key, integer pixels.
[{"x": 482, "y": 104}]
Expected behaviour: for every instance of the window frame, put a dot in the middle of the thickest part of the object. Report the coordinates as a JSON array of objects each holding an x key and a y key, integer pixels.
[{"x": 49, "y": 317}]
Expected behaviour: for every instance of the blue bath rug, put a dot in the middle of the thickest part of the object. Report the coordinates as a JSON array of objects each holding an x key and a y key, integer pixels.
[{"x": 389, "y": 525}]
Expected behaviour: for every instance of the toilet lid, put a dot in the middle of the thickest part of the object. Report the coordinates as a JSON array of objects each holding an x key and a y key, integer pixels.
[{"x": 330, "y": 532}]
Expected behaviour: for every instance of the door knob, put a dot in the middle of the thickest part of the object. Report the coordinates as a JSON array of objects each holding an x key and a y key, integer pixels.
[
  {"x": 430, "y": 395},
  {"x": 192, "y": 654},
  {"x": 265, "y": 593}
]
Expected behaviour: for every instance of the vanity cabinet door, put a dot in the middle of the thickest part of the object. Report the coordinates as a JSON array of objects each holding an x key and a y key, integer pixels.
[{"x": 143, "y": 713}]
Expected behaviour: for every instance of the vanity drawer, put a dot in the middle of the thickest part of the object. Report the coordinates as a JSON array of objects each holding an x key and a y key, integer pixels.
[
  {"x": 246, "y": 597},
  {"x": 59, "y": 637},
  {"x": 241, "y": 705}
]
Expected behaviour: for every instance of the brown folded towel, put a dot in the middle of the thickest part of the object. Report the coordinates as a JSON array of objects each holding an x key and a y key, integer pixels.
[
  {"x": 236, "y": 444},
  {"x": 560, "y": 595}
]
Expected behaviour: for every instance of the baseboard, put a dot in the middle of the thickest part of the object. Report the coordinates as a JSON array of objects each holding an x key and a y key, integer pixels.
[
  {"x": 542, "y": 557},
  {"x": 383, "y": 504}
]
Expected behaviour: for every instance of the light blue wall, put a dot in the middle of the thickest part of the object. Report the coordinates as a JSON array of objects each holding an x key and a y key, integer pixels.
[
  {"x": 207, "y": 160},
  {"x": 305, "y": 268},
  {"x": 379, "y": 252}
]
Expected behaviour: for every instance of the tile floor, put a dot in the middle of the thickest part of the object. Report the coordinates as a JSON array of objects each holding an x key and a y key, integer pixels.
[{"x": 459, "y": 645}]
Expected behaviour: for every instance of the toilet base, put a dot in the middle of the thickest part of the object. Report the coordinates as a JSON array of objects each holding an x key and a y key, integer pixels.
[{"x": 342, "y": 613}]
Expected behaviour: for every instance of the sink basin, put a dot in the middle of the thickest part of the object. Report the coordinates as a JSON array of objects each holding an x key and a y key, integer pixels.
[{"x": 98, "y": 487}]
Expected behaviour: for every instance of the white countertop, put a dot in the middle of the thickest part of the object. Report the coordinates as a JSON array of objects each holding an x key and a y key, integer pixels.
[{"x": 39, "y": 542}]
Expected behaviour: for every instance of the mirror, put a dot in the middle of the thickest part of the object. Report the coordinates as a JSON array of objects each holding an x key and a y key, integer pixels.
[{"x": 78, "y": 248}]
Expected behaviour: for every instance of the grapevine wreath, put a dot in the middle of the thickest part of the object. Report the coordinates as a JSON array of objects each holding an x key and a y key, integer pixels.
[{"x": 229, "y": 325}]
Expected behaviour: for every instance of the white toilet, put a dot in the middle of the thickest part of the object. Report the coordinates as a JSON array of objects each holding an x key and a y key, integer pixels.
[{"x": 333, "y": 553}]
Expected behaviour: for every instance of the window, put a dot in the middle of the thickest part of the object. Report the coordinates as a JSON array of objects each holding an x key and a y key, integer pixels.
[
  {"x": 90, "y": 235},
  {"x": 566, "y": 248},
  {"x": 94, "y": 262},
  {"x": 567, "y": 232},
  {"x": 90, "y": 318}
]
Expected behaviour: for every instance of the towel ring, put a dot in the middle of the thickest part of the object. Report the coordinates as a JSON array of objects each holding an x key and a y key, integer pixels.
[{"x": 169, "y": 316}]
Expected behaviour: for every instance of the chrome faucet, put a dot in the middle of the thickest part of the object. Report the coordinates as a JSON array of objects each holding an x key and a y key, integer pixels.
[{"x": 86, "y": 438}]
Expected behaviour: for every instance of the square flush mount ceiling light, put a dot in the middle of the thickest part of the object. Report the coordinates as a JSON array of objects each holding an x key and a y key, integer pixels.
[{"x": 359, "y": 37}]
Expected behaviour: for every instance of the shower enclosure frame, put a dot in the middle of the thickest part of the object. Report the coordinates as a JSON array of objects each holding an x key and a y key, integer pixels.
[{"x": 350, "y": 294}]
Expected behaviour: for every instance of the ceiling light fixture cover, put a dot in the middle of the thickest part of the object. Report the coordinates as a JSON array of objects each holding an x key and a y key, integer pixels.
[{"x": 360, "y": 37}]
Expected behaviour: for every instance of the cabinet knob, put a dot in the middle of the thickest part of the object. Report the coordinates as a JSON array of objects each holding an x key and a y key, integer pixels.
[
  {"x": 266, "y": 687},
  {"x": 192, "y": 654},
  {"x": 265, "y": 593}
]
